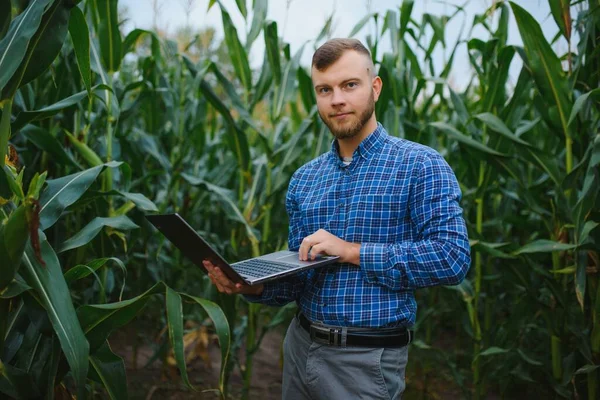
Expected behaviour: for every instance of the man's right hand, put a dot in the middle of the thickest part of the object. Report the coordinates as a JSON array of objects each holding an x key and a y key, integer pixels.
[{"x": 225, "y": 285}]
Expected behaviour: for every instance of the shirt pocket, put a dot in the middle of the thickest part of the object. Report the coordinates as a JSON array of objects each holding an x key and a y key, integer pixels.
[{"x": 377, "y": 218}]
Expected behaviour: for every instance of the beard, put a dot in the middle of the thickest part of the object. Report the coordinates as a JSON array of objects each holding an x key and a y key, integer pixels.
[{"x": 351, "y": 128}]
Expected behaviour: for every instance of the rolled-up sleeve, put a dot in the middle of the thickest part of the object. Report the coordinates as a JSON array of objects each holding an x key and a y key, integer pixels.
[{"x": 441, "y": 253}]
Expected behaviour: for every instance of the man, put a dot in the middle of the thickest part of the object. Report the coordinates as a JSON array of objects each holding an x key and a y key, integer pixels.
[{"x": 389, "y": 208}]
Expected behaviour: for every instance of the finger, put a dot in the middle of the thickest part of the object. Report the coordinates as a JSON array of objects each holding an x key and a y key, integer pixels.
[
  {"x": 220, "y": 288},
  {"x": 307, "y": 243},
  {"x": 208, "y": 265},
  {"x": 223, "y": 279},
  {"x": 316, "y": 250}
]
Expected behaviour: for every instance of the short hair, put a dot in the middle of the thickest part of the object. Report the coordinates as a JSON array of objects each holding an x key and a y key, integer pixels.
[{"x": 333, "y": 49}]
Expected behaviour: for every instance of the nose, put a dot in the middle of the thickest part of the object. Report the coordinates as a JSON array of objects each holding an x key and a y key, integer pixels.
[{"x": 337, "y": 98}]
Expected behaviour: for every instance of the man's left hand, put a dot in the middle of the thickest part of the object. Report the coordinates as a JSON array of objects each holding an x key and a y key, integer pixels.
[{"x": 323, "y": 242}]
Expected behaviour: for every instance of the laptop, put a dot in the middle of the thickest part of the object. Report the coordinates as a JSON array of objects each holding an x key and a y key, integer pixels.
[{"x": 252, "y": 271}]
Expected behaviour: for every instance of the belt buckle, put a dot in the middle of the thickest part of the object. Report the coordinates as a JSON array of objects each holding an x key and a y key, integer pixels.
[{"x": 324, "y": 335}]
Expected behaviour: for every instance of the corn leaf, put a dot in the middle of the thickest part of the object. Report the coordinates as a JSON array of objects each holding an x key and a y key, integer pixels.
[
  {"x": 545, "y": 66},
  {"x": 107, "y": 25},
  {"x": 62, "y": 192},
  {"x": 52, "y": 290},
  {"x": 544, "y": 246},
  {"x": 80, "y": 35},
  {"x": 109, "y": 369},
  {"x": 92, "y": 229},
  {"x": 13, "y": 47},
  {"x": 237, "y": 52},
  {"x": 259, "y": 11}
]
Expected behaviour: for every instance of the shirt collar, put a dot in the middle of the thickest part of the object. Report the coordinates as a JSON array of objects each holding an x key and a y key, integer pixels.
[{"x": 366, "y": 149}]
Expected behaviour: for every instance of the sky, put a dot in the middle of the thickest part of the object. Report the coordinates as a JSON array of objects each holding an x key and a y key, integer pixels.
[{"x": 300, "y": 21}]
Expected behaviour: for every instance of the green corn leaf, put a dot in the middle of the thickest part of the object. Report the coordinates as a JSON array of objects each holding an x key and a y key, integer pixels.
[
  {"x": 589, "y": 192},
  {"x": 13, "y": 47},
  {"x": 437, "y": 24},
  {"x": 79, "y": 31},
  {"x": 48, "y": 40},
  {"x": 241, "y": 4},
  {"x": 490, "y": 248},
  {"x": 109, "y": 369},
  {"x": 307, "y": 93},
  {"x": 288, "y": 84},
  {"x": 62, "y": 192},
  {"x": 272, "y": 49},
  {"x": 223, "y": 333},
  {"x": 466, "y": 140},
  {"x": 497, "y": 125},
  {"x": 17, "y": 383},
  {"x": 26, "y": 117},
  {"x": 361, "y": 24},
  {"x": 233, "y": 96},
  {"x": 390, "y": 23},
  {"x": 502, "y": 31},
  {"x": 81, "y": 271},
  {"x": 134, "y": 36},
  {"x": 12, "y": 182},
  {"x": 14, "y": 234},
  {"x": 264, "y": 83},
  {"x": 52, "y": 290},
  {"x": 236, "y": 51},
  {"x": 561, "y": 13},
  {"x": 258, "y": 19},
  {"x": 580, "y": 102},
  {"x": 98, "y": 321},
  {"x": 237, "y": 138},
  {"x": 226, "y": 198},
  {"x": 586, "y": 369},
  {"x": 175, "y": 324},
  {"x": 544, "y": 246},
  {"x": 5, "y": 17},
  {"x": 141, "y": 201},
  {"x": 107, "y": 25},
  {"x": 405, "y": 12},
  {"x": 326, "y": 31},
  {"x": 14, "y": 289},
  {"x": 491, "y": 351},
  {"x": 43, "y": 47},
  {"x": 5, "y": 133},
  {"x": 91, "y": 230},
  {"x": 43, "y": 140},
  {"x": 545, "y": 66},
  {"x": 89, "y": 155},
  {"x": 495, "y": 96},
  {"x": 547, "y": 163}
]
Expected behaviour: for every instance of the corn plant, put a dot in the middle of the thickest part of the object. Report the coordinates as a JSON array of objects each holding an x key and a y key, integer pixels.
[{"x": 45, "y": 338}]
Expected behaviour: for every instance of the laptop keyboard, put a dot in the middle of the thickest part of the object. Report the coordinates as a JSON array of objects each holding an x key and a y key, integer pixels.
[{"x": 257, "y": 268}]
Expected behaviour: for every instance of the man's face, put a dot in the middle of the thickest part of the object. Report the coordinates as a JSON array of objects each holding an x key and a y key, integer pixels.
[{"x": 346, "y": 94}]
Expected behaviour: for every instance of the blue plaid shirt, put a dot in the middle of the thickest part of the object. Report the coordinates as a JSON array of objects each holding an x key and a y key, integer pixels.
[{"x": 399, "y": 200}]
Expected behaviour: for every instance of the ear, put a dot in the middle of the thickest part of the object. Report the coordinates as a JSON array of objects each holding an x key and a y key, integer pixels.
[{"x": 377, "y": 86}]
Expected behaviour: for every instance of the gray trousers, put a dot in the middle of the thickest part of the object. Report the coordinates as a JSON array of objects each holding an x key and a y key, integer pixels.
[{"x": 315, "y": 371}]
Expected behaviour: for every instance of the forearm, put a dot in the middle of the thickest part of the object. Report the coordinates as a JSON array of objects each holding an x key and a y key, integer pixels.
[{"x": 411, "y": 265}]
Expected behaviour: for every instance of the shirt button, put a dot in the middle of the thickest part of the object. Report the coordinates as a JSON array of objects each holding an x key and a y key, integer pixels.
[{"x": 342, "y": 204}]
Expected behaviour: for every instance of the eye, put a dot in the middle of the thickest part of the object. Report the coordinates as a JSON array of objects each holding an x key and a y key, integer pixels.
[
  {"x": 323, "y": 90},
  {"x": 352, "y": 85}
]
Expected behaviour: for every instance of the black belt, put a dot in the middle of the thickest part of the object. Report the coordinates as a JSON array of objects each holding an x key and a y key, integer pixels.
[{"x": 342, "y": 337}]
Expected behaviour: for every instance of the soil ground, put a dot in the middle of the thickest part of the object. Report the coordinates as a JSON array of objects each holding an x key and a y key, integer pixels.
[{"x": 159, "y": 380}]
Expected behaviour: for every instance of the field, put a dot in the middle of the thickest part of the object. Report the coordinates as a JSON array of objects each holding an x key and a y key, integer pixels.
[{"x": 98, "y": 128}]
